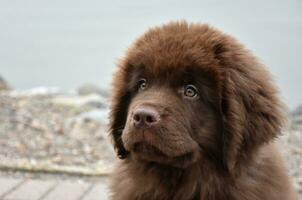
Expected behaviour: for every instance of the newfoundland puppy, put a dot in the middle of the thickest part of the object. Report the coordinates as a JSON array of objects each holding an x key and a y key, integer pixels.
[{"x": 194, "y": 116}]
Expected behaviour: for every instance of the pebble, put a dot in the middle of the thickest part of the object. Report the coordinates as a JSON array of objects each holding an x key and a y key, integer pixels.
[
  {"x": 87, "y": 89},
  {"x": 3, "y": 85}
]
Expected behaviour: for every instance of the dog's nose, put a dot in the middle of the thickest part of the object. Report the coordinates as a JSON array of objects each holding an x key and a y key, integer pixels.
[{"x": 145, "y": 117}]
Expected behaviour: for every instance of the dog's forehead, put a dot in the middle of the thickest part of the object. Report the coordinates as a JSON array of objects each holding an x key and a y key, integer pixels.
[
  {"x": 173, "y": 62},
  {"x": 171, "y": 70},
  {"x": 177, "y": 57},
  {"x": 168, "y": 71},
  {"x": 175, "y": 48},
  {"x": 169, "y": 53}
]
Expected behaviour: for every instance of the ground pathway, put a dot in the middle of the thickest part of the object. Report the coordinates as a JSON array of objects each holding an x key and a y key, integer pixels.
[{"x": 36, "y": 189}]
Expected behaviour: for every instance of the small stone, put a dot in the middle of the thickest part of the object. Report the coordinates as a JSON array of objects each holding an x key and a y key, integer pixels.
[
  {"x": 33, "y": 161},
  {"x": 20, "y": 147},
  {"x": 59, "y": 129},
  {"x": 57, "y": 159},
  {"x": 36, "y": 124},
  {"x": 87, "y": 89},
  {"x": 3, "y": 85},
  {"x": 75, "y": 152},
  {"x": 87, "y": 149}
]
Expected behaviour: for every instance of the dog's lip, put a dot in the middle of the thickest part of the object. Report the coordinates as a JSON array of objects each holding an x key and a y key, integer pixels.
[
  {"x": 139, "y": 137},
  {"x": 146, "y": 152},
  {"x": 147, "y": 148}
]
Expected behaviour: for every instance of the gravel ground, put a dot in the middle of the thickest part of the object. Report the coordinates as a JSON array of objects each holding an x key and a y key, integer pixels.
[
  {"x": 293, "y": 156},
  {"x": 44, "y": 130},
  {"x": 291, "y": 145},
  {"x": 52, "y": 132}
]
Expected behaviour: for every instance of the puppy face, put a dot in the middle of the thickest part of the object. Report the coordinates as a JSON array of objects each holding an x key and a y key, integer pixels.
[
  {"x": 186, "y": 93},
  {"x": 172, "y": 115}
]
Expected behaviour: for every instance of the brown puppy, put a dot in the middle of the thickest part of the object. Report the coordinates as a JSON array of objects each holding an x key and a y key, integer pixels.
[{"x": 194, "y": 116}]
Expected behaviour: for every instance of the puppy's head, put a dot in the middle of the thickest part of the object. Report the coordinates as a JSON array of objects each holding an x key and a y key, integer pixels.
[{"x": 188, "y": 92}]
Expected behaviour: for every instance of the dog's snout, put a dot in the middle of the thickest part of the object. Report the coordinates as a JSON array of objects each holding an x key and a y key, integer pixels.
[{"x": 145, "y": 117}]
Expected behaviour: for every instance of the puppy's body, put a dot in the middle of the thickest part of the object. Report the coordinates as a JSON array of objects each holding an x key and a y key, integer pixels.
[{"x": 194, "y": 115}]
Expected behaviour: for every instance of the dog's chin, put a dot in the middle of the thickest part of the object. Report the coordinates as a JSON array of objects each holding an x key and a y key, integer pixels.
[{"x": 147, "y": 153}]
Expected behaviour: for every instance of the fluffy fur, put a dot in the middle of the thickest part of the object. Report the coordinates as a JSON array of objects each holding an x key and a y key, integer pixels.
[{"x": 216, "y": 145}]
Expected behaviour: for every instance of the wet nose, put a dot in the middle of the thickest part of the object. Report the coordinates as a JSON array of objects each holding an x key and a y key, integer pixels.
[{"x": 145, "y": 117}]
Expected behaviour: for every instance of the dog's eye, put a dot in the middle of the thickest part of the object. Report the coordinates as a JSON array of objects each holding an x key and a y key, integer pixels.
[
  {"x": 190, "y": 91},
  {"x": 142, "y": 84}
]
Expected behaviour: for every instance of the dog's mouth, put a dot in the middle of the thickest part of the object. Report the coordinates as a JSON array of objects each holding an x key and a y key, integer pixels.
[
  {"x": 151, "y": 146},
  {"x": 146, "y": 152},
  {"x": 147, "y": 149}
]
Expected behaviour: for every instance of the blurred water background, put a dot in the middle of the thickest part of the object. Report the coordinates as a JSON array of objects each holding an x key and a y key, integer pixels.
[{"x": 66, "y": 43}]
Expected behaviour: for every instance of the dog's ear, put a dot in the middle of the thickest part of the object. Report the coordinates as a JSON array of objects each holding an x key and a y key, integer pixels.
[
  {"x": 252, "y": 114},
  {"x": 121, "y": 97}
]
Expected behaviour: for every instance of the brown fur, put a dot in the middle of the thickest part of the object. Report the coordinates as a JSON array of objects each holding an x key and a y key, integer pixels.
[{"x": 216, "y": 146}]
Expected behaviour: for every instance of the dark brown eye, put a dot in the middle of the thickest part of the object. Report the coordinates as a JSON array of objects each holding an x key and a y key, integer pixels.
[
  {"x": 142, "y": 84},
  {"x": 190, "y": 91}
]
